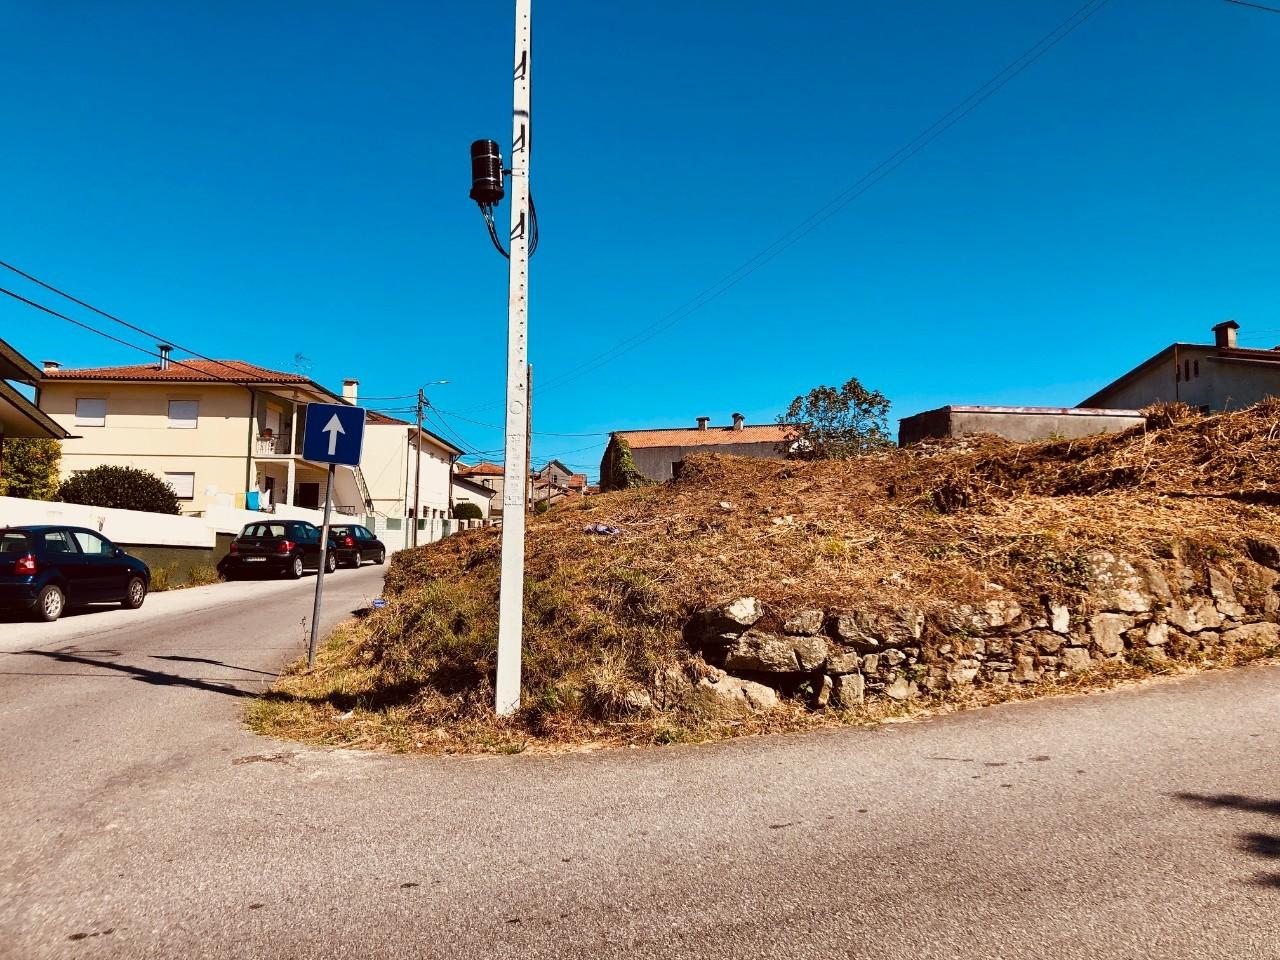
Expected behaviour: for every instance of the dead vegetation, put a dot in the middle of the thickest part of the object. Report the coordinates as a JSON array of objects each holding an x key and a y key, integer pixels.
[{"x": 605, "y": 614}]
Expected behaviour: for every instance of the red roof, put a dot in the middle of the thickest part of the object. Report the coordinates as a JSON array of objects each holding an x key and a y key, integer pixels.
[
  {"x": 181, "y": 371},
  {"x": 710, "y": 437},
  {"x": 483, "y": 469},
  {"x": 373, "y": 416}
]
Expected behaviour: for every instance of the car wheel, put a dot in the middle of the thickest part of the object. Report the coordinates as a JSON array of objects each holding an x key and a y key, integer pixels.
[
  {"x": 330, "y": 562},
  {"x": 295, "y": 568},
  {"x": 356, "y": 559},
  {"x": 382, "y": 558},
  {"x": 50, "y": 603},
  {"x": 134, "y": 594}
]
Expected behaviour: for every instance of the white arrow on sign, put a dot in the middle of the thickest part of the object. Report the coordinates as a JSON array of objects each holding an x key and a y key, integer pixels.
[{"x": 333, "y": 428}]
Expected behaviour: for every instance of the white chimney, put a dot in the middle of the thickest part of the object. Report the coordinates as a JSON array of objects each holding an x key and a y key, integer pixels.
[
  {"x": 350, "y": 391},
  {"x": 702, "y": 422},
  {"x": 164, "y": 349},
  {"x": 50, "y": 364},
  {"x": 737, "y": 421}
]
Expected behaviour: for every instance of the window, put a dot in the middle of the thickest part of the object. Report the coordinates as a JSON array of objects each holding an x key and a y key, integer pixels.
[
  {"x": 58, "y": 541},
  {"x": 183, "y": 484},
  {"x": 93, "y": 545},
  {"x": 488, "y": 483},
  {"x": 183, "y": 414},
  {"x": 14, "y": 543},
  {"x": 263, "y": 530},
  {"x": 91, "y": 412},
  {"x": 1197, "y": 368}
]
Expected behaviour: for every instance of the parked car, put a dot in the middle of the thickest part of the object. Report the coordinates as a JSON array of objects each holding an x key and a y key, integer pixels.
[
  {"x": 282, "y": 547},
  {"x": 49, "y": 568},
  {"x": 356, "y": 544}
]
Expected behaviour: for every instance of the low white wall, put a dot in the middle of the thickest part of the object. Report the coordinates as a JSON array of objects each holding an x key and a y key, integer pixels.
[
  {"x": 232, "y": 520},
  {"x": 121, "y": 526}
]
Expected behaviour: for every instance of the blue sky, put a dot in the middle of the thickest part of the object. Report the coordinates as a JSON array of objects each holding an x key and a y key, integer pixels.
[{"x": 261, "y": 180}]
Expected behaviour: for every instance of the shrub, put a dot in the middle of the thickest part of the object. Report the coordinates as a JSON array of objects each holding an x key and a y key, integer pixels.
[
  {"x": 126, "y": 488},
  {"x": 29, "y": 468},
  {"x": 467, "y": 511},
  {"x": 832, "y": 423}
]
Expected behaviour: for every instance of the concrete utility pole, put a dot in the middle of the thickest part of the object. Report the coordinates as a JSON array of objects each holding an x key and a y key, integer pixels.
[
  {"x": 417, "y": 470},
  {"x": 528, "y": 448},
  {"x": 511, "y": 603}
]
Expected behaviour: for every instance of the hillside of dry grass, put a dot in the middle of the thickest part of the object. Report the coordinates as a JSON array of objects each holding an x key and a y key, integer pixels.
[{"x": 607, "y": 615}]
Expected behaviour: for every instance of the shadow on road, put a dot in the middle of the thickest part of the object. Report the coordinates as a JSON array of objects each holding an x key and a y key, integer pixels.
[
  {"x": 1263, "y": 845},
  {"x": 214, "y": 663},
  {"x": 141, "y": 673}
]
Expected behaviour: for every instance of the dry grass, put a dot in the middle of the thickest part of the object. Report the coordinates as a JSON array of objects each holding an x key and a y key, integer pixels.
[{"x": 605, "y": 614}]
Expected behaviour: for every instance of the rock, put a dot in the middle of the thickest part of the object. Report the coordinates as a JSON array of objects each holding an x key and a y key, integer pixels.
[
  {"x": 1157, "y": 635},
  {"x": 1025, "y": 671},
  {"x": 1108, "y": 629},
  {"x": 1265, "y": 552},
  {"x": 734, "y": 617},
  {"x": 1115, "y": 584},
  {"x": 741, "y": 693},
  {"x": 637, "y": 701},
  {"x": 1000, "y": 666},
  {"x": 1157, "y": 585},
  {"x": 963, "y": 671},
  {"x": 1075, "y": 659},
  {"x": 899, "y": 689},
  {"x": 1224, "y": 594},
  {"x": 870, "y": 631},
  {"x": 806, "y": 623},
  {"x": 999, "y": 648},
  {"x": 1198, "y": 615},
  {"x": 822, "y": 695},
  {"x": 893, "y": 658},
  {"x": 849, "y": 690},
  {"x": 1253, "y": 634},
  {"x": 1047, "y": 642},
  {"x": 1156, "y": 653},
  {"x": 769, "y": 653},
  {"x": 1059, "y": 618},
  {"x": 845, "y": 661},
  {"x": 871, "y": 664}
]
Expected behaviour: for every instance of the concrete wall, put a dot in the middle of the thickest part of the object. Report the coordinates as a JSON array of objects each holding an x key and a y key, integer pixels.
[
  {"x": 120, "y": 526},
  {"x": 1019, "y": 424},
  {"x": 656, "y": 462}
]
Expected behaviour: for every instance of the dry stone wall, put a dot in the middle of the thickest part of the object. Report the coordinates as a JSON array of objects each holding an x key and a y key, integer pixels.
[{"x": 1119, "y": 610}]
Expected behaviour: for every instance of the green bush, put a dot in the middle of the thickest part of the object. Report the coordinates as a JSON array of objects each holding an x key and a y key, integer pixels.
[
  {"x": 467, "y": 511},
  {"x": 29, "y": 468},
  {"x": 126, "y": 488}
]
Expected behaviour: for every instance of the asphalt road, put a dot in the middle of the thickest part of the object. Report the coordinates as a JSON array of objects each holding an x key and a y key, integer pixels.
[{"x": 143, "y": 821}]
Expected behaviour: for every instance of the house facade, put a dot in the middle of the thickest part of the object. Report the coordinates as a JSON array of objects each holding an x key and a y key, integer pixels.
[
  {"x": 223, "y": 433},
  {"x": 466, "y": 490},
  {"x": 1211, "y": 377},
  {"x": 488, "y": 475},
  {"x": 659, "y": 454},
  {"x": 555, "y": 482}
]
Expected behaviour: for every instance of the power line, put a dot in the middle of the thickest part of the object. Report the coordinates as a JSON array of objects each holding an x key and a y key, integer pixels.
[
  {"x": 873, "y": 176},
  {"x": 540, "y": 433},
  {"x": 1256, "y": 6}
]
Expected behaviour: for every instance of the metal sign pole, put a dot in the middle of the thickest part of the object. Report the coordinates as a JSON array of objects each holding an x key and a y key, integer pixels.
[
  {"x": 511, "y": 601},
  {"x": 324, "y": 556}
]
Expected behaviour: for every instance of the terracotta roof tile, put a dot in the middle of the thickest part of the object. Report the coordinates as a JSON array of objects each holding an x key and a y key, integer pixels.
[
  {"x": 373, "y": 416},
  {"x": 483, "y": 469},
  {"x": 711, "y": 437},
  {"x": 181, "y": 371}
]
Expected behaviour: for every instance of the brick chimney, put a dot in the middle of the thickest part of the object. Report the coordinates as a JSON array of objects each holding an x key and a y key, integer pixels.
[
  {"x": 702, "y": 422},
  {"x": 50, "y": 364},
  {"x": 737, "y": 421},
  {"x": 165, "y": 349},
  {"x": 350, "y": 391},
  {"x": 1224, "y": 335}
]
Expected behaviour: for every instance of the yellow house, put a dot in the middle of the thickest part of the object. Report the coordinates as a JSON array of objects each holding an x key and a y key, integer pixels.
[{"x": 222, "y": 432}]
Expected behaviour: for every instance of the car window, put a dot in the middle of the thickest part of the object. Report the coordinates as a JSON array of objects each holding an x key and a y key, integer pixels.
[
  {"x": 93, "y": 545},
  {"x": 14, "y": 543},
  {"x": 263, "y": 530},
  {"x": 58, "y": 541},
  {"x": 364, "y": 534}
]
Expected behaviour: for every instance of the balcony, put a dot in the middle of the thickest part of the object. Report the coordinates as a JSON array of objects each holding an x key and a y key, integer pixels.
[{"x": 271, "y": 446}]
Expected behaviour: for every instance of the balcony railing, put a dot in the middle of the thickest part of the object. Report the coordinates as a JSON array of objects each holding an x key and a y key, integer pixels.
[{"x": 271, "y": 446}]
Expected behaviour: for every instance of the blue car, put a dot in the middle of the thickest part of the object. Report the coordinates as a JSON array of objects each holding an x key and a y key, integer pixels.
[{"x": 45, "y": 569}]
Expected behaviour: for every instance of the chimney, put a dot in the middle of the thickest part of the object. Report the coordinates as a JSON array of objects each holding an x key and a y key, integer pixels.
[
  {"x": 50, "y": 364},
  {"x": 350, "y": 391},
  {"x": 737, "y": 421},
  {"x": 164, "y": 349},
  {"x": 702, "y": 422},
  {"x": 1224, "y": 335}
]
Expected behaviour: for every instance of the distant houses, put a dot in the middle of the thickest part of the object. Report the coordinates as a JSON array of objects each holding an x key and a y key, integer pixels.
[{"x": 658, "y": 454}]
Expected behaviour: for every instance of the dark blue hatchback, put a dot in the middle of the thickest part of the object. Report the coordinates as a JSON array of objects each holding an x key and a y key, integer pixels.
[{"x": 45, "y": 569}]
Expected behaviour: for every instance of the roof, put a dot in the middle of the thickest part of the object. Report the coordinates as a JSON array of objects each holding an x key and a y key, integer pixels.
[
  {"x": 1229, "y": 354},
  {"x": 14, "y": 366},
  {"x": 482, "y": 469},
  {"x": 19, "y": 417},
  {"x": 191, "y": 370},
  {"x": 460, "y": 481},
  {"x": 381, "y": 419},
  {"x": 710, "y": 437}
]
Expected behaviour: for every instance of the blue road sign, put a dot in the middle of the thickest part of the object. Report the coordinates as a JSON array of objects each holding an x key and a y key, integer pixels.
[{"x": 334, "y": 433}]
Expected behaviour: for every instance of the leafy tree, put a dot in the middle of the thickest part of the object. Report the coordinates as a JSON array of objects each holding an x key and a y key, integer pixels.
[
  {"x": 832, "y": 423},
  {"x": 29, "y": 468},
  {"x": 467, "y": 511},
  {"x": 127, "y": 488}
]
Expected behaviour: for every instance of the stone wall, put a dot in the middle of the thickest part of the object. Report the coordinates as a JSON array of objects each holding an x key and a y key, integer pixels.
[{"x": 1142, "y": 611}]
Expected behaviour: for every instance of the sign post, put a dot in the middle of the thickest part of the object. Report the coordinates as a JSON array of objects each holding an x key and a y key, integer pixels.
[{"x": 333, "y": 434}]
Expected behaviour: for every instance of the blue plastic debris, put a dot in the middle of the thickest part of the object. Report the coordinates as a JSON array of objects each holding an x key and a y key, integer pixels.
[
  {"x": 603, "y": 529},
  {"x": 379, "y": 603}
]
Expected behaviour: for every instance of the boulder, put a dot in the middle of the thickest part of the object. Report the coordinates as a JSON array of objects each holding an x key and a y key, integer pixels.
[
  {"x": 1265, "y": 552},
  {"x": 1075, "y": 659},
  {"x": 1196, "y": 616},
  {"x": 806, "y": 623},
  {"x": 1157, "y": 584},
  {"x": 899, "y": 689},
  {"x": 1157, "y": 635},
  {"x": 848, "y": 689},
  {"x": 845, "y": 661},
  {"x": 1108, "y": 630},
  {"x": 1114, "y": 584},
  {"x": 769, "y": 653},
  {"x": 1046, "y": 641},
  {"x": 1253, "y": 634},
  {"x": 963, "y": 671},
  {"x": 736, "y": 692},
  {"x": 822, "y": 695},
  {"x": 1059, "y": 618},
  {"x": 733, "y": 618},
  {"x": 1224, "y": 594},
  {"x": 872, "y": 631},
  {"x": 1024, "y": 670}
]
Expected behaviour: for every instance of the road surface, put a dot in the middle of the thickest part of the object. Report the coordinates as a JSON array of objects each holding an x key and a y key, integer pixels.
[{"x": 143, "y": 821}]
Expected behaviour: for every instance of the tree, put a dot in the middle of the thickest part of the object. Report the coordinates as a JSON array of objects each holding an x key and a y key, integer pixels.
[
  {"x": 467, "y": 511},
  {"x": 29, "y": 468},
  {"x": 832, "y": 423},
  {"x": 124, "y": 487}
]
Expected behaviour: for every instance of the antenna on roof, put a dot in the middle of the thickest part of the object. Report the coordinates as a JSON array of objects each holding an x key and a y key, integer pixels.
[{"x": 302, "y": 364}]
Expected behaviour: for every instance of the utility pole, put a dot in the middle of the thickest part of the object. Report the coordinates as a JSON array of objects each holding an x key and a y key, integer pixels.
[
  {"x": 417, "y": 470},
  {"x": 528, "y": 449},
  {"x": 511, "y": 602}
]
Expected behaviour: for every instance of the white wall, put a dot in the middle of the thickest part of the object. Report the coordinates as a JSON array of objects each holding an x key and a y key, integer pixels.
[{"x": 122, "y": 526}]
